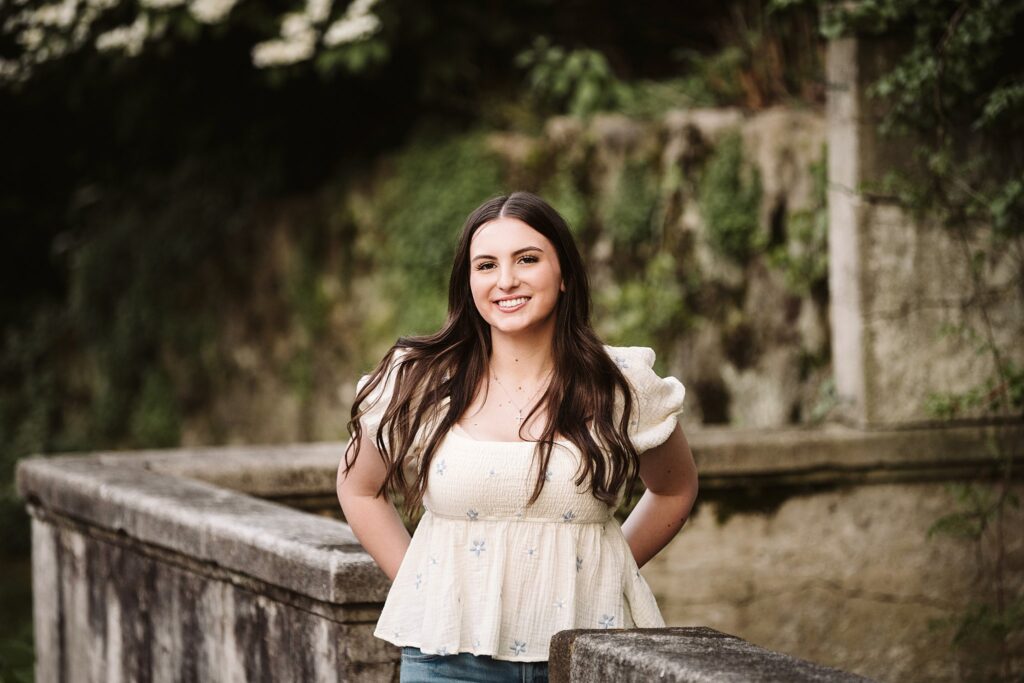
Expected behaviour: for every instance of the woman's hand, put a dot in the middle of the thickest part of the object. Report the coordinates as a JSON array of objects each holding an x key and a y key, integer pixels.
[
  {"x": 670, "y": 475},
  {"x": 373, "y": 519}
]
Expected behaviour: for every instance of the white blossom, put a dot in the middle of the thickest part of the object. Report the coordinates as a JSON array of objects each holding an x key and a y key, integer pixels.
[
  {"x": 211, "y": 11},
  {"x": 60, "y": 15},
  {"x": 351, "y": 29},
  {"x": 282, "y": 52},
  {"x": 318, "y": 10},
  {"x": 295, "y": 27},
  {"x": 127, "y": 38}
]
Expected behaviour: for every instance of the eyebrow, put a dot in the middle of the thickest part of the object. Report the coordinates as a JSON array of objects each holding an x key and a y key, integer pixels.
[{"x": 517, "y": 252}]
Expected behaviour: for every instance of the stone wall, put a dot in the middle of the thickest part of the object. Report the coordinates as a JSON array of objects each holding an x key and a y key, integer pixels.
[
  {"x": 827, "y": 556},
  {"x": 162, "y": 565}
]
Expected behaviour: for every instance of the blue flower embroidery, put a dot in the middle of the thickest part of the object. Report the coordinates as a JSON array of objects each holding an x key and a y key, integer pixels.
[
  {"x": 568, "y": 516},
  {"x": 478, "y": 547},
  {"x": 547, "y": 475},
  {"x": 607, "y": 621},
  {"x": 559, "y": 603},
  {"x": 419, "y": 580},
  {"x": 492, "y": 473},
  {"x": 579, "y": 563},
  {"x": 518, "y": 647},
  {"x": 432, "y": 560},
  {"x": 441, "y": 467},
  {"x": 531, "y": 551},
  {"x": 621, "y": 362},
  {"x": 472, "y": 514},
  {"x": 443, "y": 651},
  {"x": 476, "y": 642}
]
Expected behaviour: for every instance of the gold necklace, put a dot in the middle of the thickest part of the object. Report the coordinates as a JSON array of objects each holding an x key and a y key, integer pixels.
[{"x": 519, "y": 409}]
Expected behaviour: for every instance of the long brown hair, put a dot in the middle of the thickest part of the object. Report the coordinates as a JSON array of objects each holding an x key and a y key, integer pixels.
[{"x": 449, "y": 365}]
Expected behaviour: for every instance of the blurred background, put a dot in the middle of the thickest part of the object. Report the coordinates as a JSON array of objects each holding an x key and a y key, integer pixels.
[{"x": 217, "y": 214}]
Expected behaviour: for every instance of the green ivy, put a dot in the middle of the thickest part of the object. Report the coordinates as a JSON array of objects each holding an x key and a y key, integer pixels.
[
  {"x": 628, "y": 212},
  {"x": 649, "y": 310},
  {"x": 577, "y": 82},
  {"x": 729, "y": 198},
  {"x": 803, "y": 258}
]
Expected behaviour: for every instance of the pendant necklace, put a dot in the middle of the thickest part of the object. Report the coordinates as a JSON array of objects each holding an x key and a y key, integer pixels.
[{"x": 519, "y": 409}]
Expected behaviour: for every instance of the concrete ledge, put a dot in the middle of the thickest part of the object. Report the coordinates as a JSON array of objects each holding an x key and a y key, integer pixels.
[
  {"x": 130, "y": 494},
  {"x": 194, "y": 501},
  {"x": 683, "y": 655}
]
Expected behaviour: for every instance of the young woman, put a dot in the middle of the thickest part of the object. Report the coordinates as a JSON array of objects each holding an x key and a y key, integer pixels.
[{"x": 518, "y": 431}]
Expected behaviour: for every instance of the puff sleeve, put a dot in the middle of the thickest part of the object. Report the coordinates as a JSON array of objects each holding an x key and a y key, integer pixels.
[
  {"x": 657, "y": 401},
  {"x": 380, "y": 398}
]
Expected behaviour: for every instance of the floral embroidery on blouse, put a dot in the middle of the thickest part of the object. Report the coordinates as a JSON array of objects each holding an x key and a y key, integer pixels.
[
  {"x": 579, "y": 562},
  {"x": 547, "y": 475},
  {"x": 568, "y": 516},
  {"x": 559, "y": 603},
  {"x": 441, "y": 467},
  {"x": 478, "y": 547},
  {"x": 531, "y": 552},
  {"x": 518, "y": 647},
  {"x": 621, "y": 362},
  {"x": 492, "y": 474},
  {"x": 419, "y": 580},
  {"x": 472, "y": 514},
  {"x": 607, "y": 621},
  {"x": 443, "y": 651}
]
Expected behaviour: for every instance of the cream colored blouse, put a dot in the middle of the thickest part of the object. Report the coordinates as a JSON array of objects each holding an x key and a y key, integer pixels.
[{"x": 486, "y": 575}]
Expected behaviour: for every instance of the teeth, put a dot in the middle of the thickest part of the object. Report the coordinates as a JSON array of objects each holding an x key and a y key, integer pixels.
[{"x": 512, "y": 303}]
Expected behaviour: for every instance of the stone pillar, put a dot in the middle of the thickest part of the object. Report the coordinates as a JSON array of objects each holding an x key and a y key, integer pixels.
[{"x": 897, "y": 283}]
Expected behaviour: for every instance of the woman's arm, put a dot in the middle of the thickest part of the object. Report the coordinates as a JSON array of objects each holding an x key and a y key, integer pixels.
[
  {"x": 670, "y": 475},
  {"x": 374, "y": 520}
]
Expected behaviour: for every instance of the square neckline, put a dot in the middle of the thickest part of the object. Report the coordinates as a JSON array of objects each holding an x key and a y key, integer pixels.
[{"x": 466, "y": 437}]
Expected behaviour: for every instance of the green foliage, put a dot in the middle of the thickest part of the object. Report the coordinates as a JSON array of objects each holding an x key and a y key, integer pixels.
[
  {"x": 715, "y": 79},
  {"x": 156, "y": 417},
  {"x": 649, "y": 310},
  {"x": 803, "y": 259},
  {"x": 562, "y": 191},
  {"x": 434, "y": 186},
  {"x": 628, "y": 212},
  {"x": 768, "y": 53},
  {"x": 16, "y": 654},
  {"x": 729, "y": 198},
  {"x": 577, "y": 82}
]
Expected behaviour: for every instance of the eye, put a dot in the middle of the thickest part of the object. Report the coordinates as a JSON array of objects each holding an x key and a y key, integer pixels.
[
  {"x": 484, "y": 265},
  {"x": 529, "y": 259}
]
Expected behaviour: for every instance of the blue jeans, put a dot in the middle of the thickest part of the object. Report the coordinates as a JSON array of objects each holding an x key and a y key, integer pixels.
[{"x": 422, "y": 668}]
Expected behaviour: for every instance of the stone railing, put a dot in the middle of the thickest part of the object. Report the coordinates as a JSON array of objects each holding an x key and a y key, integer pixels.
[
  {"x": 683, "y": 655},
  {"x": 167, "y": 565}
]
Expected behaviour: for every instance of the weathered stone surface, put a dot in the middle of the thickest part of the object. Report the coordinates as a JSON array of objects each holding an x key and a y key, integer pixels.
[
  {"x": 107, "y": 612},
  {"x": 681, "y": 655},
  {"x": 311, "y": 555},
  {"x": 845, "y": 577}
]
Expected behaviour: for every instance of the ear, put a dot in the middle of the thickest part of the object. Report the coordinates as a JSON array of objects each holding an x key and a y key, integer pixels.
[{"x": 562, "y": 286}]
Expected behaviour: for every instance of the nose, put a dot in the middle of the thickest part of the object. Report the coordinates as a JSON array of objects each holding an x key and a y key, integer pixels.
[{"x": 507, "y": 278}]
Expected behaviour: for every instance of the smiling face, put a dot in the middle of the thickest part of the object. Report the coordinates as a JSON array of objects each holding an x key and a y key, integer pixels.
[{"x": 514, "y": 275}]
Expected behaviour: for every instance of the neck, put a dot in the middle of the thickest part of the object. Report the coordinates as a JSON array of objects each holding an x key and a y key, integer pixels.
[{"x": 522, "y": 357}]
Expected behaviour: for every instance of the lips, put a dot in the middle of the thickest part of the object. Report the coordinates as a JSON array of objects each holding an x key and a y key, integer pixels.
[{"x": 512, "y": 304}]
